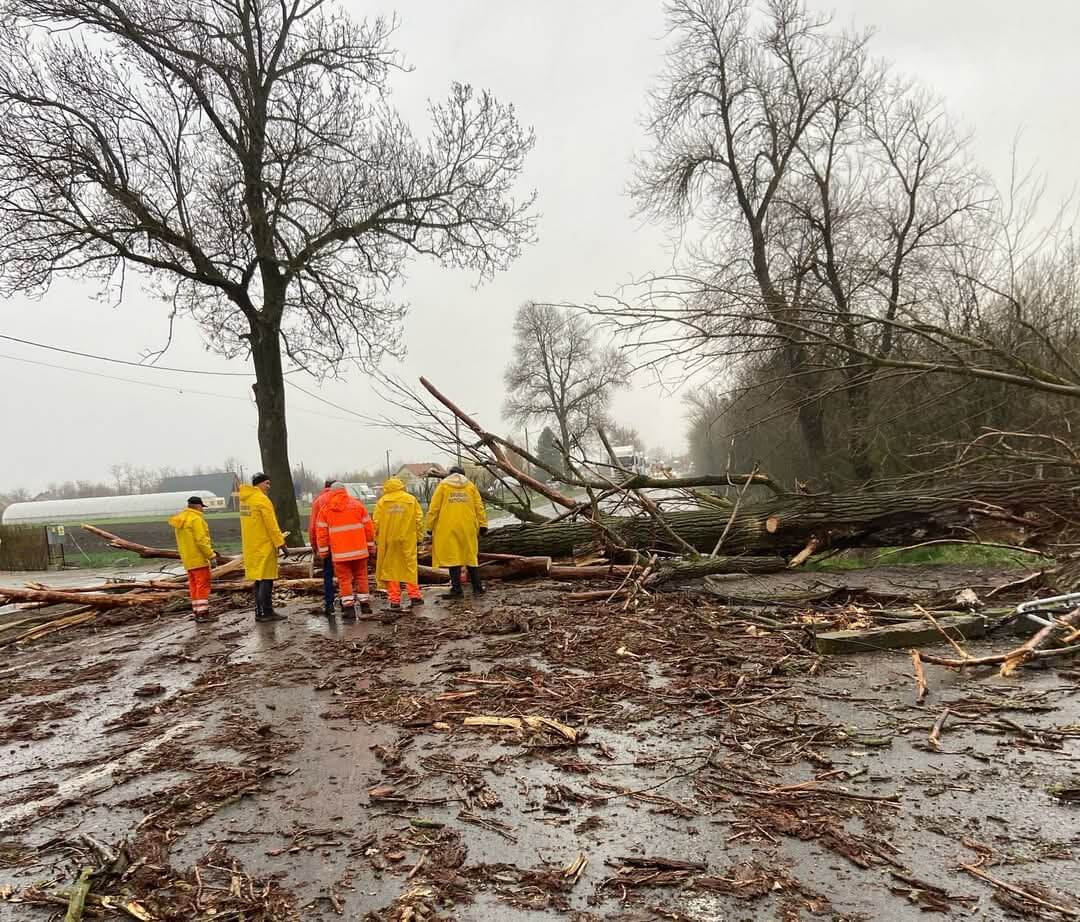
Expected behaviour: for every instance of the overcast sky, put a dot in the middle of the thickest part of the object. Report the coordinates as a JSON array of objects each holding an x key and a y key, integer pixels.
[{"x": 578, "y": 73}]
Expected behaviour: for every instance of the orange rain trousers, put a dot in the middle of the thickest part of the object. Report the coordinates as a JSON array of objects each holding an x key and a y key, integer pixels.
[
  {"x": 352, "y": 577},
  {"x": 199, "y": 586},
  {"x": 393, "y": 591}
]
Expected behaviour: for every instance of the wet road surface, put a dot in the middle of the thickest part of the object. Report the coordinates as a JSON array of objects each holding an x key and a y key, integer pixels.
[{"x": 331, "y": 764}]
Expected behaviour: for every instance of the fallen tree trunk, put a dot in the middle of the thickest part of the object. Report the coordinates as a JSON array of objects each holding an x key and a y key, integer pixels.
[
  {"x": 519, "y": 568},
  {"x": 574, "y": 574},
  {"x": 96, "y": 599},
  {"x": 699, "y": 567},
  {"x": 121, "y": 544},
  {"x": 787, "y": 524}
]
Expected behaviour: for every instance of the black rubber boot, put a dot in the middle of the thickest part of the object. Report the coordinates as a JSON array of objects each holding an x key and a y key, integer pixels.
[
  {"x": 272, "y": 616},
  {"x": 348, "y": 612},
  {"x": 258, "y": 601},
  {"x": 456, "y": 591},
  {"x": 474, "y": 578},
  {"x": 366, "y": 609},
  {"x": 264, "y": 602}
]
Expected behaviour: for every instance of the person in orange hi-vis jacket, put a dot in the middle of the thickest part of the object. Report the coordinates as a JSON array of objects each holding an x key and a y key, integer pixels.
[
  {"x": 313, "y": 540},
  {"x": 345, "y": 532}
]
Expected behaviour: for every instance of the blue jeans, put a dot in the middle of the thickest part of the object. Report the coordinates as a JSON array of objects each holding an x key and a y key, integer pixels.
[{"x": 328, "y": 582}]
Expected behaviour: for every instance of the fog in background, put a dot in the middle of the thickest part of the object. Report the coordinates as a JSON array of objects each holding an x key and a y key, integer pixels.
[{"x": 579, "y": 74}]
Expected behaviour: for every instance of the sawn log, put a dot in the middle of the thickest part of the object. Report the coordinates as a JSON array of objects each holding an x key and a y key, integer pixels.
[{"x": 95, "y": 599}]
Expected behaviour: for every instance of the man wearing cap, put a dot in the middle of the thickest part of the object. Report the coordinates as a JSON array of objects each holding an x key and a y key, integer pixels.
[
  {"x": 455, "y": 519},
  {"x": 345, "y": 530},
  {"x": 196, "y": 553},
  {"x": 262, "y": 540},
  {"x": 327, "y": 561}
]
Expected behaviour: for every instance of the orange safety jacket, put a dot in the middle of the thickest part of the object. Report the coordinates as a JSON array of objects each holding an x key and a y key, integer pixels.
[
  {"x": 344, "y": 528},
  {"x": 316, "y": 509}
]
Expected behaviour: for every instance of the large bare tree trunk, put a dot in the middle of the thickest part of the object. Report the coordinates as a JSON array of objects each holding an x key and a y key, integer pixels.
[
  {"x": 858, "y": 443},
  {"x": 787, "y": 524},
  {"x": 269, "y": 391}
]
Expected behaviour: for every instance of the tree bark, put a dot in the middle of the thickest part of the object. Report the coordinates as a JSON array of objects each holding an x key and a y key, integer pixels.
[
  {"x": 812, "y": 426},
  {"x": 94, "y": 599},
  {"x": 858, "y": 399},
  {"x": 269, "y": 391},
  {"x": 786, "y": 524},
  {"x": 518, "y": 568}
]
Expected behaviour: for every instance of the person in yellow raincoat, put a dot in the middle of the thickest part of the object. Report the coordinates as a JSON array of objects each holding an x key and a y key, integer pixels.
[
  {"x": 262, "y": 540},
  {"x": 455, "y": 518},
  {"x": 399, "y": 524},
  {"x": 196, "y": 553}
]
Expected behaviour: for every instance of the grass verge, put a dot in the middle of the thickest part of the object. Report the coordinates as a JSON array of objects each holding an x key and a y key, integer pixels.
[
  {"x": 964, "y": 555},
  {"x": 97, "y": 560}
]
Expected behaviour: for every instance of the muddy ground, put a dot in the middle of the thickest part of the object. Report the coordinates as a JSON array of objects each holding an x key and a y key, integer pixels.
[{"x": 324, "y": 770}]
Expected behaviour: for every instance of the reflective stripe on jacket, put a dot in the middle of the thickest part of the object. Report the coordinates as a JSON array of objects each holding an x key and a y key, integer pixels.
[{"x": 344, "y": 528}]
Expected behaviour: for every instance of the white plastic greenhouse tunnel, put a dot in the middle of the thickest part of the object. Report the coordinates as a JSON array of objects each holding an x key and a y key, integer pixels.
[{"x": 100, "y": 508}]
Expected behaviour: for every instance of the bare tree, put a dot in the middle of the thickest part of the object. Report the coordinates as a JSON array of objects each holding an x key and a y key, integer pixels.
[
  {"x": 829, "y": 192},
  {"x": 19, "y": 495},
  {"x": 245, "y": 161},
  {"x": 558, "y": 374}
]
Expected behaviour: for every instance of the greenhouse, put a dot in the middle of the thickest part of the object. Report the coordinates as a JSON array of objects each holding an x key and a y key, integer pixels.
[{"x": 100, "y": 508}]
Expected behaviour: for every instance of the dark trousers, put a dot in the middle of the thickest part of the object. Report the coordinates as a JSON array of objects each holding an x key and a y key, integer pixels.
[
  {"x": 474, "y": 578},
  {"x": 264, "y": 603},
  {"x": 328, "y": 582}
]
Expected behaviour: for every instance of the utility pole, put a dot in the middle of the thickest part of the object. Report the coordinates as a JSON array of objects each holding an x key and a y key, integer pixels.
[
  {"x": 457, "y": 438},
  {"x": 388, "y": 473}
]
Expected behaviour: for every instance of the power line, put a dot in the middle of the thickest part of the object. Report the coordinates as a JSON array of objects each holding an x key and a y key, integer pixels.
[
  {"x": 175, "y": 388},
  {"x": 105, "y": 358},
  {"x": 96, "y": 374},
  {"x": 366, "y": 419}
]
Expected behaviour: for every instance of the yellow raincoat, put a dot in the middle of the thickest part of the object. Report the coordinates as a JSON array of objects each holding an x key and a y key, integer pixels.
[
  {"x": 454, "y": 519},
  {"x": 192, "y": 538},
  {"x": 399, "y": 524},
  {"x": 260, "y": 534}
]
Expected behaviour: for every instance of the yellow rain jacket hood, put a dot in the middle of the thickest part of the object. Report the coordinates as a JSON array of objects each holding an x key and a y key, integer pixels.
[
  {"x": 260, "y": 534},
  {"x": 399, "y": 525},
  {"x": 192, "y": 538},
  {"x": 454, "y": 519}
]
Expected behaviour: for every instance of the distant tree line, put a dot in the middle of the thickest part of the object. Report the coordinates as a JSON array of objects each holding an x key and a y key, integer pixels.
[{"x": 128, "y": 479}]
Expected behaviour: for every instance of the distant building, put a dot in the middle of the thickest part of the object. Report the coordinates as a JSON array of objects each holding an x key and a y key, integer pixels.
[
  {"x": 224, "y": 484},
  {"x": 419, "y": 479},
  {"x": 410, "y": 473}
]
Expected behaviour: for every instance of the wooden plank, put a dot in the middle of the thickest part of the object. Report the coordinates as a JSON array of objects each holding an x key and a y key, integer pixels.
[{"x": 902, "y": 635}]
